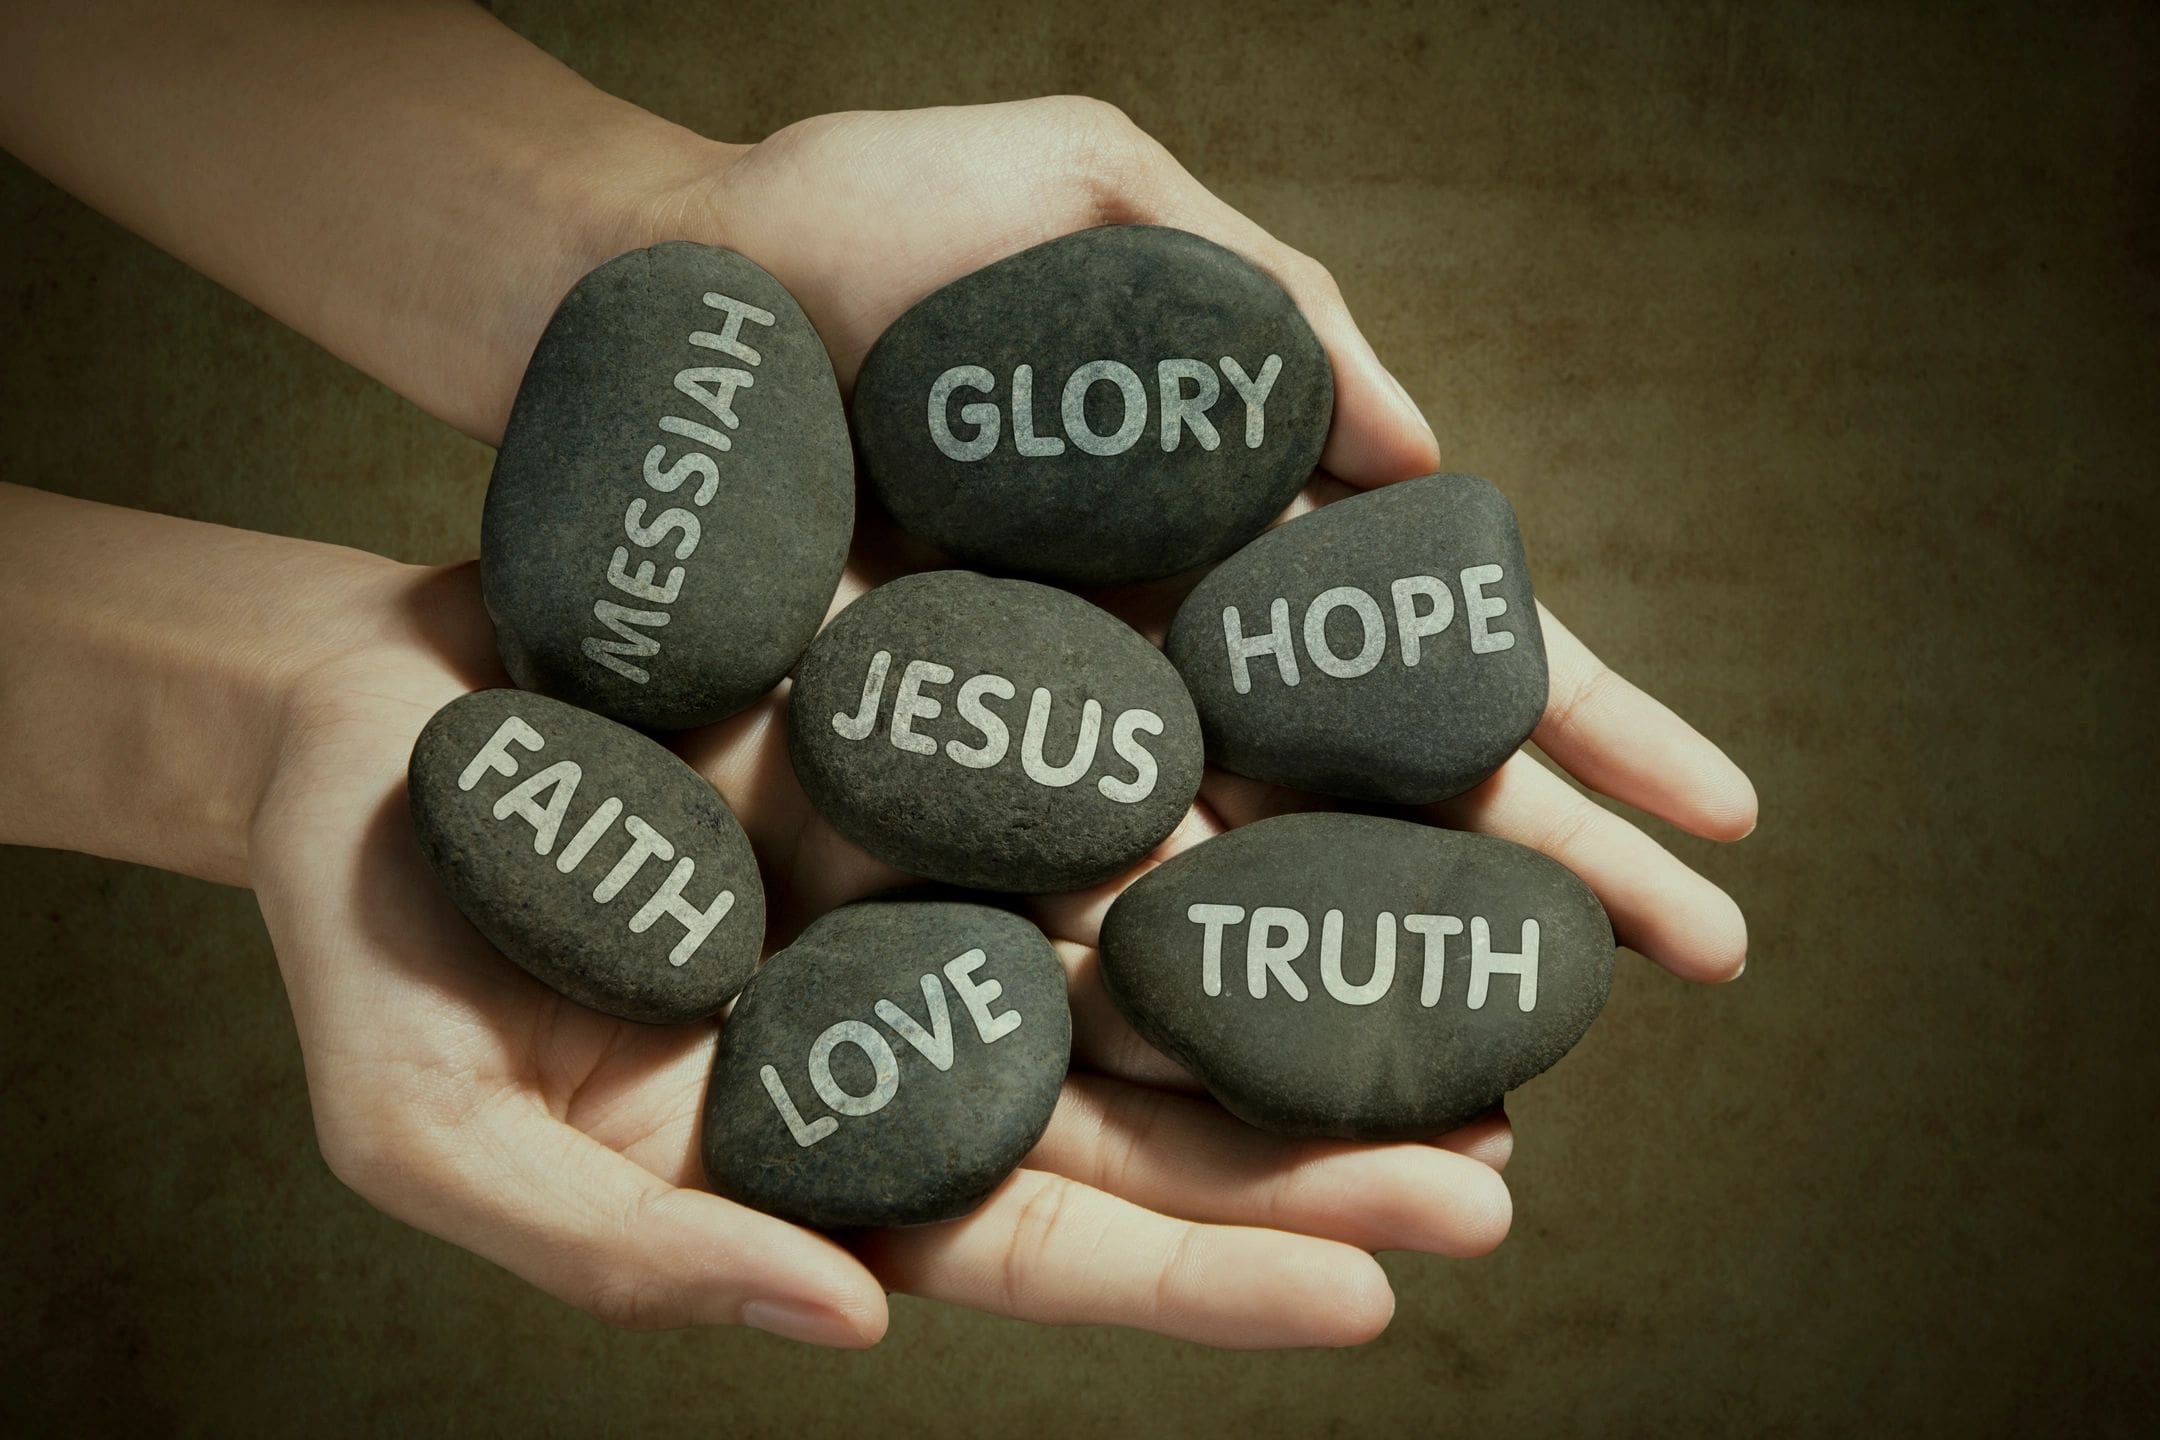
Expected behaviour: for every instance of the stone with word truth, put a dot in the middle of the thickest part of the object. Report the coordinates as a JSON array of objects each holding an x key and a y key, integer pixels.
[
  {"x": 589, "y": 854},
  {"x": 1117, "y": 404},
  {"x": 890, "y": 1067},
  {"x": 1355, "y": 976},
  {"x": 1385, "y": 647},
  {"x": 672, "y": 503},
  {"x": 993, "y": 733}
]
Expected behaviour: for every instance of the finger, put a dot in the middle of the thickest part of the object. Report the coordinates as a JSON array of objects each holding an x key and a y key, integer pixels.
[
  {"x": 1489, "y": 1140},
  {"x": 1658, "y": 906},
  {"x": 1192, "y": 1159},
  {"x": 1379, "y": 434},
  {"x": 1103, "y": 1040},
  {"x": 1048, "y": 1249},
  {"x": 590, "y": 1227},
  {"x": 1626, "y": 744},
  {"x": 1077, "y": 914}
]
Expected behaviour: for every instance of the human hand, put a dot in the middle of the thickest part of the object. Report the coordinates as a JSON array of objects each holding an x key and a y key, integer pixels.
[
  {"x": 462, "y": 1096},
  {"x": 862, "y": 214}
]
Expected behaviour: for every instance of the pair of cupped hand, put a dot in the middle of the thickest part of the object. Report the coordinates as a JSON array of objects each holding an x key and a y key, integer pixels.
[{"x": 458, "y": 1094}]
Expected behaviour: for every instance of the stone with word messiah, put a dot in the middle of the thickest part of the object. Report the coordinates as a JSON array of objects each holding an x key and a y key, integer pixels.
[
  {"x": 890, "y": 1067},
  {"x": 1383, "y": 648},
  {"x": 993, "y": 733},
  {"x": 589, "y": 854},
  {"x": 1114, "y": 405},
  {"x": 1358, "y": 977},
  {"x": 672, "y": 503}
]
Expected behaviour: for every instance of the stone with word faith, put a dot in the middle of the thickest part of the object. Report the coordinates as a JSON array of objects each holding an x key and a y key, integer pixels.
[
  {"x": 997, "y": 734},
  {"x": 672, "y": 503},
  {"x": 1358, "y": 977},
  {"x": 1385, "y": 648},
  {"x": 1113, "y": 405},
  {"x": 890, "y": 1067},
  {"x": 589, "y": 854}
]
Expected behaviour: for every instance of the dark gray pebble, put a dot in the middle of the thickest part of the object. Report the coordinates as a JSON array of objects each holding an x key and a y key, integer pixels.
[
  {"x": 1117, "y": 404},
  {"x": 672, "y": 503},
  {"x": 993, "y": 733},
  {"x": 1386, "y": 647},
  {"x": 589, "y": 854},
  {"x": 890, "y": 1067},
  {"x": 1358, "y": 977}
]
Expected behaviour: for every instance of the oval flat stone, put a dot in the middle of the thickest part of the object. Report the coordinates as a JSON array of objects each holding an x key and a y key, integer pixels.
[
  {"x": 673, "y": 498},
  {"x": 589, "y": 854},
  {"x": 993, "y": 733},
  {"x": 1112, "y": 405},
  {"x": 1386, "y": 647},
  {"x": 890, "y": 1067},
  {"x": 1358, "y": 977}
]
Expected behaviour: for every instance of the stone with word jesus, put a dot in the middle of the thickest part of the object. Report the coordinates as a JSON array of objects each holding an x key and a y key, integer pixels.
[
  {"x": 1114, "y": 405},
  {"x": 991, "y": 733},
  {"x": 589, "y": 854},
  {"x": 1383, "y": 648},
  {"x": 1355, "y": 976},
  {"x": 672, "y": 503},
  {"x": 890, "y": 1067}
]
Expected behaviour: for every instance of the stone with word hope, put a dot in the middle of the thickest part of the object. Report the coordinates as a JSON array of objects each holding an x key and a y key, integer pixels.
[
  {"x": 588, "y": 854},
  {"x": 1114, "y": 405},
  {"x": 1386, "y": 647},
  {"x": 993, "y": 733},
  {"x": 1358, "y": 977},
  {"x": 890, "y": 1067},
  {"x": 672, "y": 503}
]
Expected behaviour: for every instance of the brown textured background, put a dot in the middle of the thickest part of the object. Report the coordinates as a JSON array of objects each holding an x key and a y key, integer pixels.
[{"x": 1820, "y": 352}]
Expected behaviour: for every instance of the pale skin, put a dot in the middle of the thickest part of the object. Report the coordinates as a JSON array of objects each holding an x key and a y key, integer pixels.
[{"x": 414, "y": 187}]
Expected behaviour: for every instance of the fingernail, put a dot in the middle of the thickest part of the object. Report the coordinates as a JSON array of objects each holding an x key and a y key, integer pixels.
[
  {"x": 1410, "y": 407},
  {"x": 811, "y": 1324}
]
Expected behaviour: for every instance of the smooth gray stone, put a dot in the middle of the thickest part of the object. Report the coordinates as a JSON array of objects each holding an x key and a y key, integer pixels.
[
  {"x": 1349, "y": 1048},
  {"x": 948, "y": 788},
  {"x": 957, "y": 454},
  {"x": 1403, "y": 684},
  {"x": 589, "y": 854},
  {"x": 890, "y": 1067},
  {"x": 644, "y": 554}
]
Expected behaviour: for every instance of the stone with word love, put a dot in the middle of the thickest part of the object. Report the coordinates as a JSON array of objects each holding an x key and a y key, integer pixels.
[
  {"x": 890, "y": 1067},
  {"x": 1114, "y": 405},
  {"x": 993, "y": 733},
  {"x": 1386, "y": 647},
  {"x": 588, "y": 854},
  {"x": 672, "y": 503},
  {"x": 1358, "y": 977}
]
